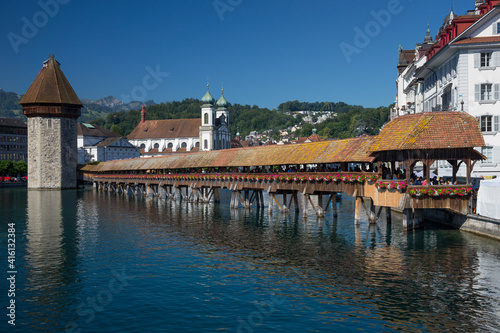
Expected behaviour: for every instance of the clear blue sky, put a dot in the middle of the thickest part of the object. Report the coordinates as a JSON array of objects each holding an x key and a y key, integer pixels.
[{"x": 265, "y": 51}]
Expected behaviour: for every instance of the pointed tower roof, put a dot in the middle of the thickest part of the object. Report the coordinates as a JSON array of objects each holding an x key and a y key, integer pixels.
[
  {"x": 428, "y": 37},
  {"x": 222, "y": 103},
  {"x": 51, "y": 87},
  {"x": 208, "y": 99}
]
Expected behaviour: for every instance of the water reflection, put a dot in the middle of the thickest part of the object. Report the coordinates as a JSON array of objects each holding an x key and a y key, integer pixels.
[
  {"x": 430, "y": 280},
  {"x": 51, "y": 257}
]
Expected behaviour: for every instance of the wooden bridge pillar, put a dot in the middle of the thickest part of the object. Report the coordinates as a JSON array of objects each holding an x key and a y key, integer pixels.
[
  {"x": 162, "y": 193},
  {"x": 407, "y": 219},
  {"x": 357, "y": 211},
  {"x": 150, "y": 192},
  {"x": 333, "y": 199},
  {"x": 388, "y": 215}
]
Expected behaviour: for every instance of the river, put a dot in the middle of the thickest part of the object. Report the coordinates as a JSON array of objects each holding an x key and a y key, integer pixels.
[{"x": 88, "y": 261}]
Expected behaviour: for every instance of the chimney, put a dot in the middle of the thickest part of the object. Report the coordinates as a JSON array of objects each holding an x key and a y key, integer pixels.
[{"x": 143, "y": 113}]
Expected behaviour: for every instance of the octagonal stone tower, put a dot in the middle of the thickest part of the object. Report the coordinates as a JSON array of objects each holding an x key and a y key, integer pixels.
[{"x": 52, "y": 108}]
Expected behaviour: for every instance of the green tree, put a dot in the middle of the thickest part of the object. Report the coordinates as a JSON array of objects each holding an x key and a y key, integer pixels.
[
  {"x": 20, "y": 168},
  {"x": 117, "y": 129},
  {"x": 6, "y": 168}
]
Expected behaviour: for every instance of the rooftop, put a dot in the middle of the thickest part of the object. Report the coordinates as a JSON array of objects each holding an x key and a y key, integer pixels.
[
  {"x": 166, "y": 129},
  {"x": 50, "y": 87},
  {"x": 429, "y": 130}
]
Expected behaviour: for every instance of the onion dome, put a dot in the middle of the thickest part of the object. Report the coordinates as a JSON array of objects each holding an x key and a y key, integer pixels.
[
  {"x": 222, "y": 103},
  {"x": 208, "y": 99}
]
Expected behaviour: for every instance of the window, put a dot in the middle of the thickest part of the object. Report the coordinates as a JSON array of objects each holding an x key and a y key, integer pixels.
[
  {"x": 142, "y": 146},
  {"x": 205, "y": 144},
  {"x": 488, "y": 153},
  {"x": 496, "y": 28},
  {"x": 206, "y": 119},
  {"x": 489, "y": 123},
  {"x": 487, "y": 92},
  {"x": 485, "y": 122},
  {"x": 485, "y": 59}
]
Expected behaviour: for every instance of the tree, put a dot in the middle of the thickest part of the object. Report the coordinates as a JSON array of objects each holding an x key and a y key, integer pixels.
[
  {"x": 6, "y": 168},
  {"x": 117, "y": 129},
  {"x": 20, "y": 168}
]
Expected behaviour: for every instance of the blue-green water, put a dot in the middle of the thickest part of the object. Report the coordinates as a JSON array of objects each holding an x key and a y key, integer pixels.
[{"x": 98, "y": 262}]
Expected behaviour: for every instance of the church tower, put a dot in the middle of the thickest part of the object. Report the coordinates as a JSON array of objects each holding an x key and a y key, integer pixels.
[
  {"x": 207, "y": 122},
  {"x": 223, "y": 140},
  {"x": 52, "y": 108}
]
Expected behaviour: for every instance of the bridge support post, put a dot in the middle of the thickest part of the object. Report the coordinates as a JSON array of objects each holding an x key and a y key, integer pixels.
[
  {"x": 418, "y": 219},
  {"x": 388, "y": 215},
  {"x": 407, "y": 220},
  {"x": 296, "y": 201},
  {"x": 320, "y": 211},
  {"x": 372, "y": 217},
  {"x": 216, "y": 194},
  {"x": 234, "y": 199},
  {"x": 270, "y": 205},
  {"x": 357, "y": 210},
  {"x": 162, "y": 193},
  {"x": 284, "y": 206},
  {"x": 333, "y": 199},
  {"x": 150, "y": 192},
  {"x": 247, "y": 201},
  {"x": 305, "y": 205}
]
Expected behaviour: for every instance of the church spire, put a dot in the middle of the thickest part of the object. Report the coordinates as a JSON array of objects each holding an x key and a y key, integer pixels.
[{"x": 428, "y": 38}]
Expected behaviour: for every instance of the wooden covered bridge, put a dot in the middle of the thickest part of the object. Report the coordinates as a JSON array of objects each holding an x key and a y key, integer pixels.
[{"x": 353, "y": 166}]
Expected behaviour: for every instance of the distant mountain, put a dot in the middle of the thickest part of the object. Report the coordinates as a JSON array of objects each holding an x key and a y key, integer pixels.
[
  {"x": 109, "y": 101},
  {"x": 92, "y": 109}
]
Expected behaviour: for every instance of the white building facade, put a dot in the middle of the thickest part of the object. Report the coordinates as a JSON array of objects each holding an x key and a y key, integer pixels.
[
  {"x": 99, "y": 144},
  {"x": 460, "y": 71},
  {"x": 163, "y": 137}
]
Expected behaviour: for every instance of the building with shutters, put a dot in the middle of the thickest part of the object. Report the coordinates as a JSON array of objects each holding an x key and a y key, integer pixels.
[{"x": 459, "y": 70}]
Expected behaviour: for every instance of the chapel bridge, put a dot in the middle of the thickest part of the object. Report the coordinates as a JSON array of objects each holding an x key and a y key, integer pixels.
[{"x": 424, "y": 137}]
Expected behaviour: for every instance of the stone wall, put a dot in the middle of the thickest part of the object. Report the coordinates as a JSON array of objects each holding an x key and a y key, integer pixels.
[
  {"x": 52, "y": 153},
  {"x": 477, "y": 224}
]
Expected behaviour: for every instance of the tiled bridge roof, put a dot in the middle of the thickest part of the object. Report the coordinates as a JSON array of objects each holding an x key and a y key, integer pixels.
[{"x": 437, "y": 130}]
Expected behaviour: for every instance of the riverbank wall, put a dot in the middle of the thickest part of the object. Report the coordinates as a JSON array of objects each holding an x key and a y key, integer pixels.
[{"x": 477, "y": 224}]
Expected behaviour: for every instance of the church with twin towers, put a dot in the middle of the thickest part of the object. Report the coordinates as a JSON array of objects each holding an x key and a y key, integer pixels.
[{"x": 168, "y": 136}]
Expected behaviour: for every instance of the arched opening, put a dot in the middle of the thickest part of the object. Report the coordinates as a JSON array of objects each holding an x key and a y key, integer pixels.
[
  {"x": 184, "y": 145},
  {"x": 197, "y": 144},
  {"x": 156, "y": 146},
  {"x": 170, "y": 145},
  {"x": 142, "y": 146}
]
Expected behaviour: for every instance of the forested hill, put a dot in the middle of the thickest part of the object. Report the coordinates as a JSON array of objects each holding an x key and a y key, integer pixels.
[
  {"x": 294, "y": 106},
  {"x": 350, "y": 121}
]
